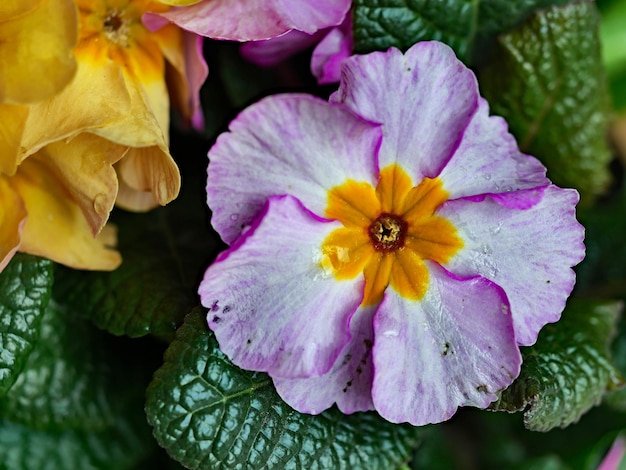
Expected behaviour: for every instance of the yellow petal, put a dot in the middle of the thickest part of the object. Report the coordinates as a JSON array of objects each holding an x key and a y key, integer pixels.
[
  {"x": 435, "y": 239},
  {"x": 12, "y": 219},
  {"x": 171, "y": 40},
  {"x": 393, "y": 186},
  {"x": 84, "y": 165},
  {"x": 96, "y": 99},
  {"x": 10, "y": 9},
  {"x": 12, "y": 123},
  {"x": 36, "y": 55},
  {"x": 409, "y": 275},
  {"x": 422, "y": 200},
  {"x": 56, "y": 227},
  {"x": 377, "y": 273},
  {"x": 353, "y": 203},
  {"x": 148, "y": 177},
  {"x": 346, "y": 252}
]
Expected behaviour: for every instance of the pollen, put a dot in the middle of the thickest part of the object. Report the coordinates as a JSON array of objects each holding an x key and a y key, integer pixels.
[{"x": 388, "y": 232}]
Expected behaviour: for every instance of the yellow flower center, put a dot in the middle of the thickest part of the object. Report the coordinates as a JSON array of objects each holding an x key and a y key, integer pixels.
[
  {"x": 112, "y": 29},
  {"x": 387, "y": 233}
]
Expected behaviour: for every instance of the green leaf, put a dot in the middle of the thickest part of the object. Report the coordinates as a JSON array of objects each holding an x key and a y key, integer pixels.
[
  {"x": 568, "y": 370},
  {"x": 209, "y": 414},
  {"x": 380, "y": 24},
  {"x": 465, "y": 25},
  {"x": 77, "y": 403},
  {"x": 547, "y": 80},
  {"x": 165, "y": 252},
  {"x": 25, "y": 286},
  {"x": 122, "y": 446}
]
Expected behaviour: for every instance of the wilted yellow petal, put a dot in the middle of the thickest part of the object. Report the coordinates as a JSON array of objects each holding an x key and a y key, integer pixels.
[
  {"x": 12, "y": 122},
  {"x": 10, "y": 9},
  {"x": 84, "y": 165},
  {"x": 148, "y": 177},
  {"x": 56, "y": 227},
  {"x": 36, "y": 59},
  {"x": 12, "y": 218},
  {"x": 95, "y": 99}
]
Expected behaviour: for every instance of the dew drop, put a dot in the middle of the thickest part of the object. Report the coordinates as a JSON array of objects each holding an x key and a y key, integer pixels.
[
  {"x": 392, "y": 333},
  {"x": 100, "y": 204},
  {"x": 487, "y": 176},
  {"x": 234, "y": 217}
]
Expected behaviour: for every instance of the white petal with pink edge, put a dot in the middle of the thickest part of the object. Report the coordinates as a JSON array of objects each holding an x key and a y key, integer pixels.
[
  {"x": 271, "y": 304},
  {"x": 286, "y": 144},
  {"x": 528, "y": 251},
  {"x": 424, "y": 98},
  {"x": 488, "y": 160},
  {"x": 455, "y": 347},
  {"x": 253, "y": 20},
  {"x": 348, "y": 383}
]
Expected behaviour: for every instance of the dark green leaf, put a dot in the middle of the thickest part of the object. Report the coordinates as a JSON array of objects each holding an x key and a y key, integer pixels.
[
  {"x": 547, "y": 80},
  {"x": 165, "y": 252},
  {"x": 76, "y": 403},
  {"x": 120, "y": 447},
  {"x": 209, "y": 414},
  {"x": 568, "y": 370},
  {"x": 380, "y": 24},
  {"x": 25, "y": 286},
  {"x": 462, "y": 24}
]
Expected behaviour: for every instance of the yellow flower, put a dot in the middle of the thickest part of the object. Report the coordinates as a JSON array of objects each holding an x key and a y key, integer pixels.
[
  {"x": 36, "y": 41},
  {"x": 101, "y": 140}
]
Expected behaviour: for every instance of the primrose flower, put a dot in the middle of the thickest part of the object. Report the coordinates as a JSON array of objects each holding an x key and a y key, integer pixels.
[
  {"x": 102, "y": 139},
  {"x": 253, "y": 20},
  {"x": 389, "y": 250}
]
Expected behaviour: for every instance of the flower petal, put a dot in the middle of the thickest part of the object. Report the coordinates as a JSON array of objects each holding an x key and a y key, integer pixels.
[
  {"x": 526, "y": 252},
  {"x": 185, "y": 71},
  {"x": 95, "y": 99},
  {"x": 84, "y": 166},
  {"x": 329, "y": 54},
  {"x": 273, "y": 307},
  {"x": 424, "y": 98},
  {"x": 148, "y": 177},
  {"x": 36, "y": 49},
  {"x": 293, "y": 144},
  {"x": 252, "y": 20},
  {"x": 12, "y": 219},
  {"x": 56, "y": 227},
  {"x": 270, "y": 52},
  {"x": 348, "y": 383},
  {"x": 12, "y": 123},
  {"x": 489, "y": 161},
  {"x": 453, "y": 348}
]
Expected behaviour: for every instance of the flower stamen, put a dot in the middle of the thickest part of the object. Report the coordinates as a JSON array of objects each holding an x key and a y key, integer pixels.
[{"x": 388, "y": 232}]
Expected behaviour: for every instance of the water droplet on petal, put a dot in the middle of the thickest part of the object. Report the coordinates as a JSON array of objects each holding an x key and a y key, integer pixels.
[
  {"x": 392, "y": 333},
  {"x": 234, "y": 217},
  {"x": 100, "y": 204}
]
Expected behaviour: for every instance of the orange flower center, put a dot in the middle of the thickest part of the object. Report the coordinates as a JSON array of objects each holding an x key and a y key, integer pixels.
[
  {"x": 387, "y": 233},
  {"x": 112, "y": 30}
]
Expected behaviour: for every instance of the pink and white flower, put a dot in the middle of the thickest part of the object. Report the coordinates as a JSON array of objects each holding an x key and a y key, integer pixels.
[{"x": 390, "y": 249}]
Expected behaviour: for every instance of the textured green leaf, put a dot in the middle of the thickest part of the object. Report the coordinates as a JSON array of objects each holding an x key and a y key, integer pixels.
[
  {"x": 380, "y": 24},
  {"x": 462, "y": 24},
  {"x": 165, "y": 252},
  {"x": 209, "y": 414},
  {"x": 568, "y": 370},
  {"x": 25, "y": 286},
  {"x": 120, "y": 447},
  {"x": 547, "y": 80},
  {"x": 64, "y": 381},
  {"x": 76, "y": 403}
]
